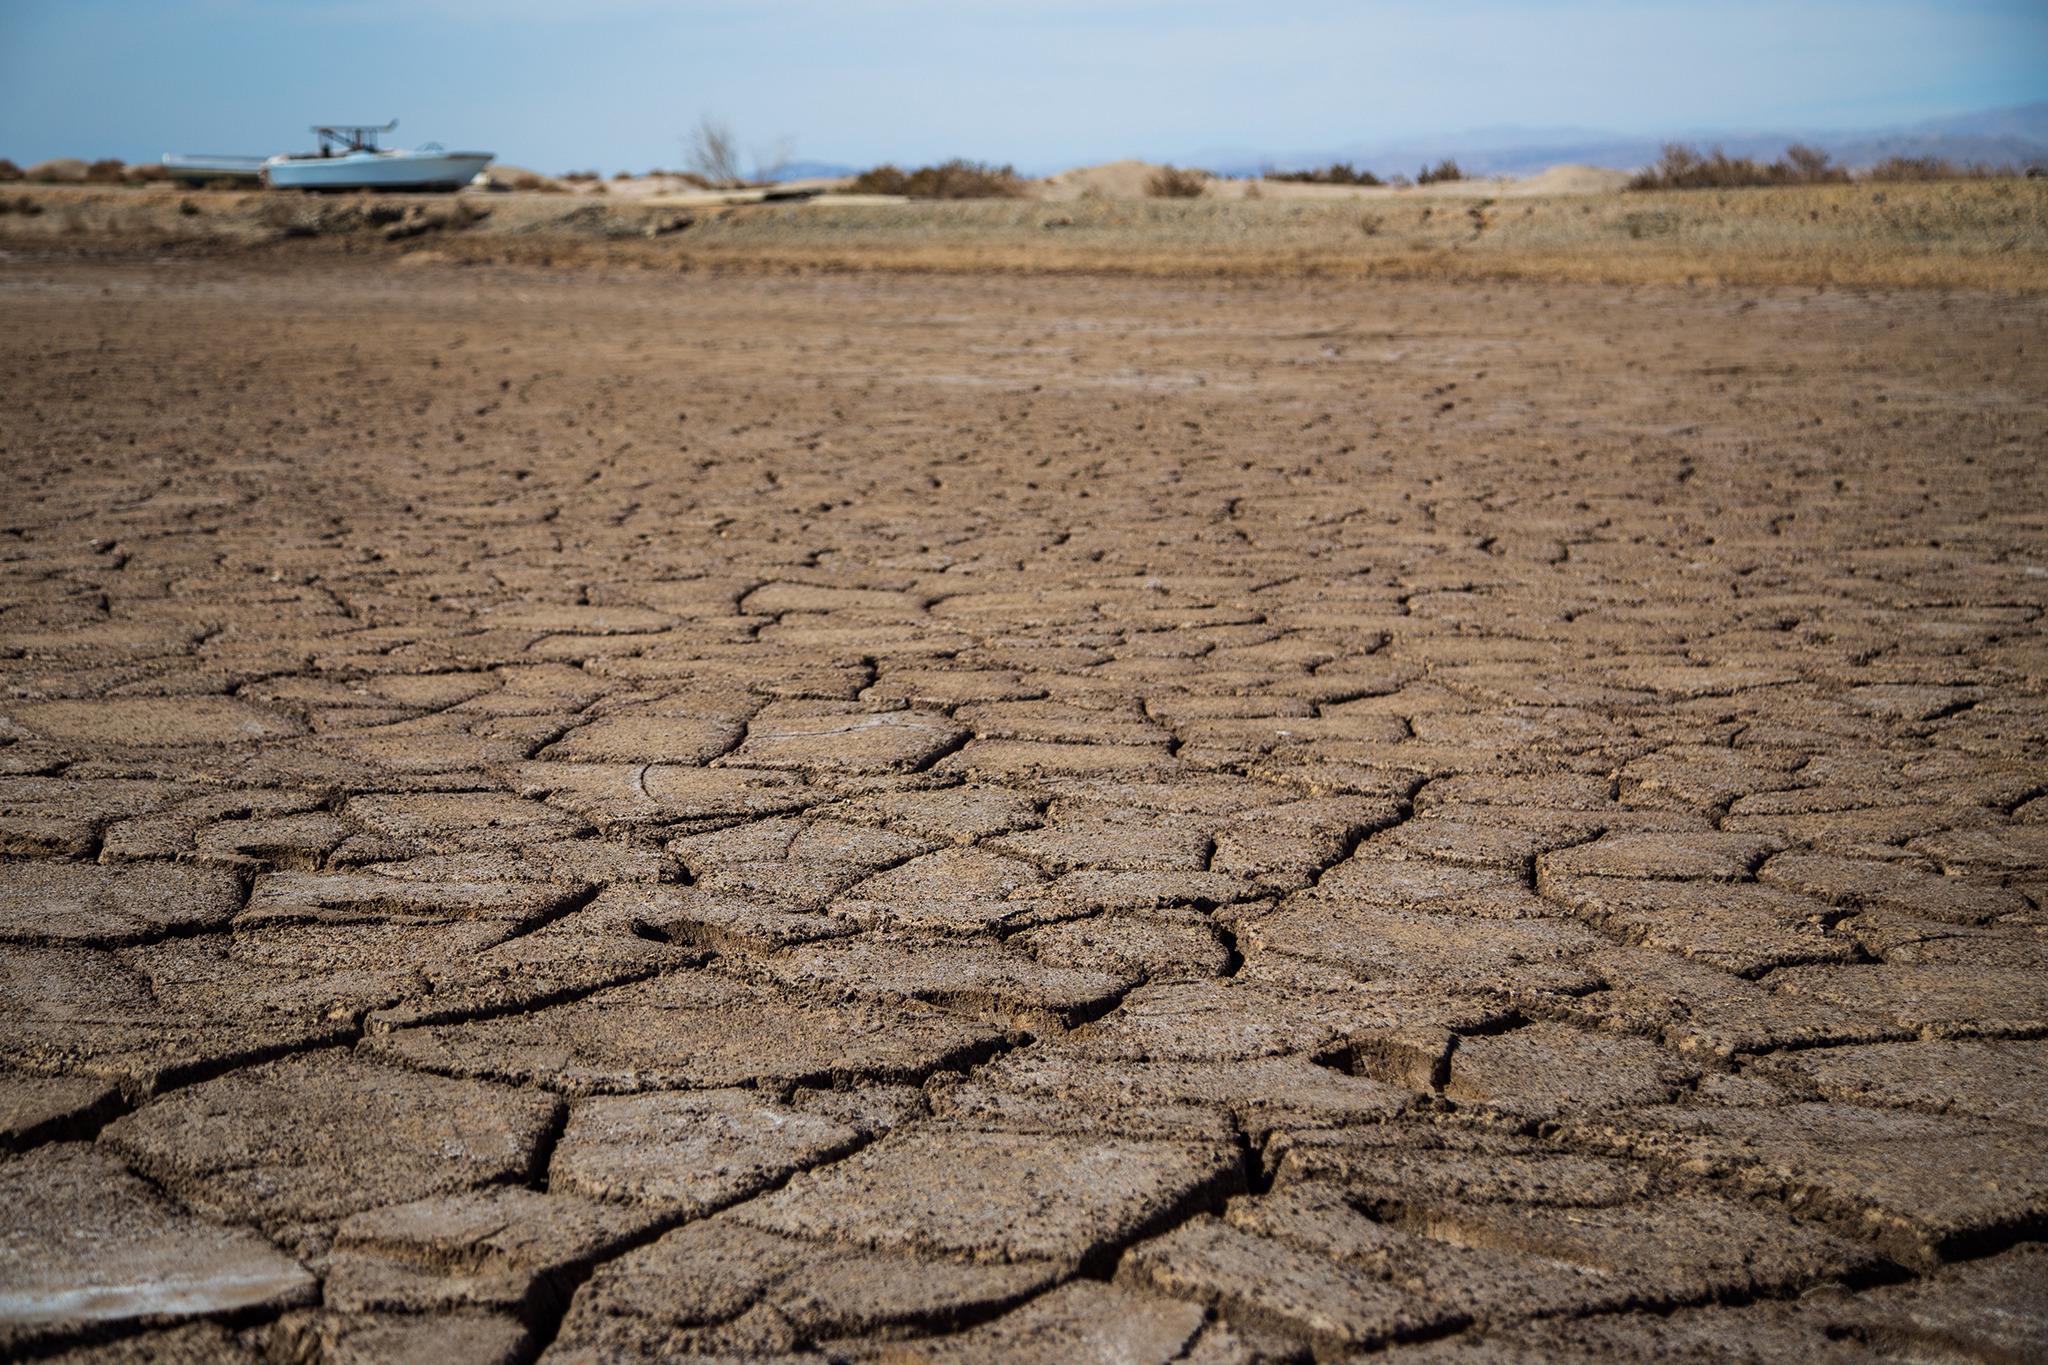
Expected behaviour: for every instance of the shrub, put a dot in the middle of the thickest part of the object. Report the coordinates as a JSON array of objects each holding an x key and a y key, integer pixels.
[
  {"x": 1336, "y": 173},
  {"x": 1168, "y": 183},
  {"x": 107, "y": 171},
  {"x": 1935, "y": 168},
  {"x": 1683, "y": 168},
  {"x": 880, "y": 180},
  {"x": 714, "y": 153},
  {"x": 956, "y": 179},
  {"x": 8, "y": 170},
  {"x": 1804, "y": 165},
  {"x": 1446, "y": 170},
  {"x": 62, "y": 170}
]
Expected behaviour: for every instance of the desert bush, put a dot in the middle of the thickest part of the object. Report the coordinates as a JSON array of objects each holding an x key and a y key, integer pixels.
[
  {"x": 8, "y": 170},
  {"x": 1806, "y": 165},
  {"x": 885, "y": 179},
  {"x": 1683, "y": 168},
  {"x": 146, "y": 172},
  {"x": 1444, "y": 171},
  {"x": 109, "y": 170},
  {"x": 1900, "y": 168},
  {"x": 1168, "y": 183},
  {"x": 62, "y": 170},
  {"x": 956, "y": 179},
  {"x": 1336, "y": 173},
  {"x": 579, "y": 177},
  {"x": 714, "y": 153}
]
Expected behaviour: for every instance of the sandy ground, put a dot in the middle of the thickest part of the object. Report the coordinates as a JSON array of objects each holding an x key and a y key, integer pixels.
[
  {"x": 1128, "y": 179},
  {"x": 1133, "y": 180},
  {"x": 1982, "y": 235},
  {"x": 612, "y": 814}
]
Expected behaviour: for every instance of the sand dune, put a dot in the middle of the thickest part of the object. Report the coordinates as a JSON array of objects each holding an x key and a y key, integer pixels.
[{"x": 1130, "y": 179}]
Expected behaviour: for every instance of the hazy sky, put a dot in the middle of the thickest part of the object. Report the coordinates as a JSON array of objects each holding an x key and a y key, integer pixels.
[{"x": 613, "y": 84}]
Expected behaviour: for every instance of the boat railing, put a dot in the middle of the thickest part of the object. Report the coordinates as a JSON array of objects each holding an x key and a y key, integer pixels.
[{"x": 359, "y": 137}]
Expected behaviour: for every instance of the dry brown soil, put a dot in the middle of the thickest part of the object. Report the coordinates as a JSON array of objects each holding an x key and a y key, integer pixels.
[
  {"x": 1970, "y": 234},
  {"x": 908, "y": 817}
]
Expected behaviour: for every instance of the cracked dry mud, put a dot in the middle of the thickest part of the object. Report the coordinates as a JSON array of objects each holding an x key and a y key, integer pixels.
[{"x": 917, "y": 819}]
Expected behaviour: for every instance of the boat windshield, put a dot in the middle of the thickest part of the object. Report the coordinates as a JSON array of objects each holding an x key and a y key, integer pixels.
[{"x": 339, "y": 139}]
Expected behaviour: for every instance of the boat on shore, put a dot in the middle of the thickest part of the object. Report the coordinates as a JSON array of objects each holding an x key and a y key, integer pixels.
[
  {"x": 205, "y": 169},
  {"x": 350, "y": 159}
]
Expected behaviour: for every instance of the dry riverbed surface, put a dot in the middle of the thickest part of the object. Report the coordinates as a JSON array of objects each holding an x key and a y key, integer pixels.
[{"x": 621, "y": 814}]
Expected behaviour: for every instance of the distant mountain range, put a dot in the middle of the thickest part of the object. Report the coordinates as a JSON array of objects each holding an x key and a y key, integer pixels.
[
  {"x": 2017, "y": 136},
  {"x": 814, "y": 170}
]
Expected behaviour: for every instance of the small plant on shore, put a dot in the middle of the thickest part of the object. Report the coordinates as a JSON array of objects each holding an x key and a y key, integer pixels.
[
  {"x": 1336, "y": 173},
  {"x": 955, "y": 179},
  {"x": 1168, "y": 183},
  {"x": 107, "y": 171},
  {"x": 1442, "y": 173},
  {"x": 1683, "y": 168},
  {"x": 8, "y": 170},
  {"x": 714, "y": 153},
  {"x": 1904, "y": 168}
]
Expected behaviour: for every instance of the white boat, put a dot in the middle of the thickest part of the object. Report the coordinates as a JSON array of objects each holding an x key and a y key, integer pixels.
[
  {"x": 204, "y": 169},
  {"x": 350, "y": 159}
]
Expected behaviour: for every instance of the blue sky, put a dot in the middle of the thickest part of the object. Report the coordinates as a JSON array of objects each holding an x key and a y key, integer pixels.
[{"x": 613, "y": 84}]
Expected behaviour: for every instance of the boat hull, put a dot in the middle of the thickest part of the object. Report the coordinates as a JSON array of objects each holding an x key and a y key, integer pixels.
[
  {"x": 376, "y": 171},
  {"x": 201, "y": 170}
]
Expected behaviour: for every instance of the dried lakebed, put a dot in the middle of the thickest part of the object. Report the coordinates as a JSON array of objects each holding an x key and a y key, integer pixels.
[{"x": 606, "y": 817}]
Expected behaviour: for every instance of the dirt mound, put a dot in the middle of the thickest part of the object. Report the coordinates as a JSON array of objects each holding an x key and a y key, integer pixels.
[
  {"x": 503, "y": 177},
  {"x": 62, "y": 170},
  {"x": 1111, "y": 180},
  {"x": 1573, "y": 180}
]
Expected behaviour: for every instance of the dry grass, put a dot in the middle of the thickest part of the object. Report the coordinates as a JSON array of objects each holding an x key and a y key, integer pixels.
[
  {"x": 1960, "y": 233},
  {"x": 1336, "y": 173},
  {"x": 1684, "y": 168},
  {"x": 1896, "y": 169},
  {"x": 1169, "y": 183},
  {"x": 954, "y": 179}
]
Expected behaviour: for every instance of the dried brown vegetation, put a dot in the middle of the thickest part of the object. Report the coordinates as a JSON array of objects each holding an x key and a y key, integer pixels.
[
  {"x": 1336, "y": 173},
  {"x": 1684, "y": 168},
  {"x": 1964, "y": 233},
  {"x": 1170, "y": 183},
  {"x": 1910, "y": 168},
  {"x": 955, "y": 179}
]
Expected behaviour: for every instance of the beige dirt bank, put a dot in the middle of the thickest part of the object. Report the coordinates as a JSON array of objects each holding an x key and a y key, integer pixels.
[{"x": 1991, "y": 234}]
